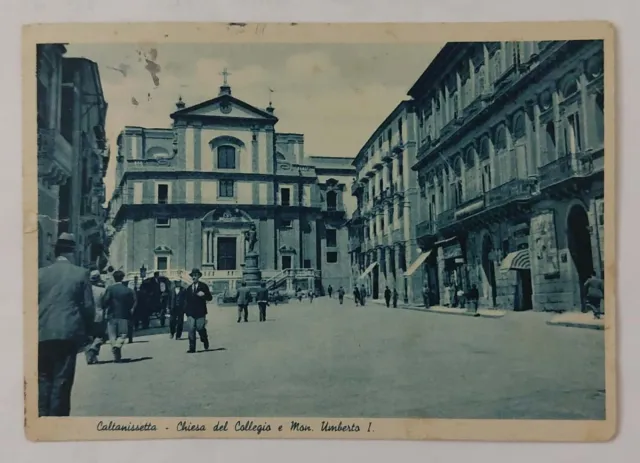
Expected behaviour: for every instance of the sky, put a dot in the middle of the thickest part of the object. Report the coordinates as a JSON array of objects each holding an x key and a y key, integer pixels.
[{"x": 334, "y": 94}]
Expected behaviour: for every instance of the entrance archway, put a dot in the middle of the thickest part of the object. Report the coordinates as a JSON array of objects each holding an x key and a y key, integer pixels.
[
  {"x": 579, "y": 243},
  {"x": 488, "y": 267}
]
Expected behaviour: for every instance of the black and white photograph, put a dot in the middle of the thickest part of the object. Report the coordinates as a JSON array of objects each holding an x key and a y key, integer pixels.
[{"x": 345, "y": 238}]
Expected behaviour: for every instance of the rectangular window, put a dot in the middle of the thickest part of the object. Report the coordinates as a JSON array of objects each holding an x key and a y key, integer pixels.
[
  {"x": 226, "y": 189},
  {"x": 307, "y": 263},
  {"x": 285, "y": 196},
  {"x": 332, "y": 238},
  {"x": 332, "y": 257},
  {"x": 162, "y": 263},
  {"x": 287, "y": 224},
  {"x": 226, "y": 157},
  {"x": 163, "y": 222},
  {"x": 163, "y": 193},
  {"x": 286, "y": 262}
]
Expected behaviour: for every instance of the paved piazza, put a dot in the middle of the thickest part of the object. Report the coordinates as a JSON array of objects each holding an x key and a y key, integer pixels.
[{"x": 323, "y": 359}]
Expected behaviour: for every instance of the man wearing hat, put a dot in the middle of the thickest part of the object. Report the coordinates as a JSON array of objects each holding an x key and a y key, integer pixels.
[
  {"x": 176, "y": 310},
  {"x": 66, "y": 313},
  {"x": 195, "y": 307},
  {"x": 99, "y": 330},
  {"x": 119, "y": 304}
]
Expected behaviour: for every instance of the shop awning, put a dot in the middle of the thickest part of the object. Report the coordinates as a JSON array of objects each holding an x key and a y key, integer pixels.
[
  {"x": 368, "y": 270},
  {"x": 417, "y": 263},
  {"x": 518, "y": 260}
]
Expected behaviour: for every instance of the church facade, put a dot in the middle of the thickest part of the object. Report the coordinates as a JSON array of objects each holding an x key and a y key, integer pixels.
[{"x": 186, "y": 196}]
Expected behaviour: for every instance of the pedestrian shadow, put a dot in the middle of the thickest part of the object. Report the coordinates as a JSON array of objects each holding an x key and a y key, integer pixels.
[
  {"x": 137, "y": 342},
  {"x": 211, "y": 350},
  {"x": 124, "y": 360}
]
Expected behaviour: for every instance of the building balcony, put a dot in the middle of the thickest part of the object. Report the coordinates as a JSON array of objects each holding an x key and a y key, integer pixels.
[
  {"x": 514, "y": 190},
  {"x": 426, "y": 228},
  {"x": 397, "y": 147},
  {"x": 569, "y": 166},
  {"x": 446, "y": 218},
  {"x": 470, "y": 207},
  {"x": 387, "y": 156},
  {"x": 55, "y": 156}
]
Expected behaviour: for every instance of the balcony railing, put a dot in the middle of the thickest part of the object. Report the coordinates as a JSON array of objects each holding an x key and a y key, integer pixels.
[
  {"x": 566, "y": 167},
  {"x": 426, "y": 228},
  {"x": 513, "y": 190},
  {"x": 446, "y": 218}
]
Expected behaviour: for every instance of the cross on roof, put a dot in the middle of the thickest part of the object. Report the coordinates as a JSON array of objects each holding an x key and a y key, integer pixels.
[{"x": 225, "y": 74}]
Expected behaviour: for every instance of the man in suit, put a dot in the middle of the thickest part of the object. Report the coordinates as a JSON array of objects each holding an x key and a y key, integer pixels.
[
  {"x": 119, "y": 304},
  {"x": 244, "y": 297},
  {"x": 263, "y": 301},
  {"x": 99, "y": 327},
  {"x": 176, "y": 310},
  {"x": 66, "y": 314},
  {"x": 195, "y": 307}
]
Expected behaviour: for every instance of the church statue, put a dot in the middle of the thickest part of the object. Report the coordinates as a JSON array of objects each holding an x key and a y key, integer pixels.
[{"x": 251, "y": 237}]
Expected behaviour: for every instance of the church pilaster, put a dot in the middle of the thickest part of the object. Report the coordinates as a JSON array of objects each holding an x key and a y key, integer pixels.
[{"x": 197, "y": 146}]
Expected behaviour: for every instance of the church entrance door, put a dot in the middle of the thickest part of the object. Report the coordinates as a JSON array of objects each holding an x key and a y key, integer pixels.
[{"x": 227, "y": 253}]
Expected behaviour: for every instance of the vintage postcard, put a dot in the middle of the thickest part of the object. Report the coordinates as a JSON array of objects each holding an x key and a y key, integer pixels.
[{"x": 332, "y": 231}]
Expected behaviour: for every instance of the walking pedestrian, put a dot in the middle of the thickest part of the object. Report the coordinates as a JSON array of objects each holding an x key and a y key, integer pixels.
[
  {"x": 176, "y": 311},
  {"x": 165, "y": 297},
  {"x": 594, "y": 289},
  {"x": 341, "y": 294},
  {"x": 263, "y": 301},
  {"x": 66, "y": 313},
  {"x": 98, "y": 331},
  {"x": 363, "y": 295},
  {"x": 395, "y": 298},
  {"x": 244, "y": 297},
  {"x": 132, "y": 325},
  {"x": 356, "y": 295},
  {"x": 195, "y": 307},
  {"x": 119, "y": 305},
  {"x": 311, "y": 294},
  {"x": 299, "y": 294},
  {"x": 330, "y": 290},
  {"x": 387, "y": 296},
  {"x": 426, "y": 292},
  {"x": 473, "y": 296}
]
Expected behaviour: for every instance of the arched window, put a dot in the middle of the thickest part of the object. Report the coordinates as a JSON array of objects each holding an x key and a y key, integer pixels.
[
  {"x": 502, "y": 161},
  {"x": 480, "y": 80},
  {"x": 332, "y": 200},
  {"x": 598, "y": 116},
  {"x": 226, "y": 157},
  {"x": 496, "y": 65},
  {"x": 520, "y": 147},
  {"x": 485, "y": 165},
  {"x": 570, "y": 88},
  {"x": 157, "y": 152},
  {"x": 470, "y": 175},
  {"x": 548, "y": 153},
  {"x": 457, "y": 193}
]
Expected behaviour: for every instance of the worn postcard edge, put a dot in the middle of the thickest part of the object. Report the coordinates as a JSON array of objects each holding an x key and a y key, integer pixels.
[{"x": 82, "y": 428}]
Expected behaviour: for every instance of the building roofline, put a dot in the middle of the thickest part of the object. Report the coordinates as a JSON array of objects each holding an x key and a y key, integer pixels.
[
  {"x": 376, "y": 133},
  {"x": 433, "y": 71}
]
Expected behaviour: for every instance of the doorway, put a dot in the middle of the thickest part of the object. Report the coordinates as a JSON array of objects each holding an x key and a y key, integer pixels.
[
  {"x": 579, "y": 243},
  {"x": 226, "y": 253},
  {"x": 488, "y": 266},
  {"x": 524, "y": 298}
]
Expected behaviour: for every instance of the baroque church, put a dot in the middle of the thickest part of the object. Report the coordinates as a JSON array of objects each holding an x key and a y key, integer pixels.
[{"x": 185, "y": 197}]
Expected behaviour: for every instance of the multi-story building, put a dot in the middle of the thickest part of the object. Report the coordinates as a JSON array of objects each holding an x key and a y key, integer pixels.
[
  {"x": 82, "y": 124},
  {"x": 55, "y": 156},
  {"x": 510, "y": 163},
  {"x": 72, "y": 154},
  {"x": 186, "y": 195},
  {"x": 382, "y": 230}
]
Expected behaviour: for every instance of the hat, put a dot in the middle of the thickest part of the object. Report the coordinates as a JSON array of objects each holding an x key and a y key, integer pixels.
[
  {"x": 195, "y": 271},
  {"x": 66, "y": 240},
  {"x": 94, "y": 275}
]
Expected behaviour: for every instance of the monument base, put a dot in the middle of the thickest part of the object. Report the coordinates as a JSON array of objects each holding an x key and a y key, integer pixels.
[{"x": 251, "y": 274}]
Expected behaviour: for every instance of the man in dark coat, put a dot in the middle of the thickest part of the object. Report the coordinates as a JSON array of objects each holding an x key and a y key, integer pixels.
[
  {"x": 176, "y": 310},
  {"x": 119, "y": 305},
  {"x": 263, "y": 301},
  {"x": 66, "y": 313},
  {"x": 387, "y": 296},
  {"x": 195, "y": 307},
  {"x": 244, "y": 297}
]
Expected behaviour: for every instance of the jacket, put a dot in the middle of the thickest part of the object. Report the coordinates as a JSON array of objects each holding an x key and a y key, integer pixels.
[
  {"x": 262, "y": 295},
  {"x": 594, "y": 287},
  {"x": 194, "y": 305},
  {"x": 98, "y": 299},
  {"x": 119, "y": 301},
  {"x": 244, "y": 296},
  {"x": 66, "y": 310},
  {"x": 176, "y": 303}
]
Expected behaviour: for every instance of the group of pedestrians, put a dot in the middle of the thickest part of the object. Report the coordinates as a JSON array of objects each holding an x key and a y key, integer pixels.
[{"x": 75, "y": 312}]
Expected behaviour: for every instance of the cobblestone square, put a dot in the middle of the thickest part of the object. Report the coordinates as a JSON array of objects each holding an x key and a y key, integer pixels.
[{"x": 322, "y": 359}]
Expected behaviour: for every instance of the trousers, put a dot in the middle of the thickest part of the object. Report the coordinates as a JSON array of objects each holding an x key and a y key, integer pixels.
[
  {"x": 243, "y": 309},
  {"x": 56, "y": 372},
  {"x": 197, "y": 325},
  {"x": 176, "y": 323},
  {"x": 263, "y": 311}
]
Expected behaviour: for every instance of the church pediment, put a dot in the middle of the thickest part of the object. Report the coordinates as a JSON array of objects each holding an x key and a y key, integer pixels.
[
  {"x": 223, "y": 216},
  {"x": 224, "y": 106}
]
